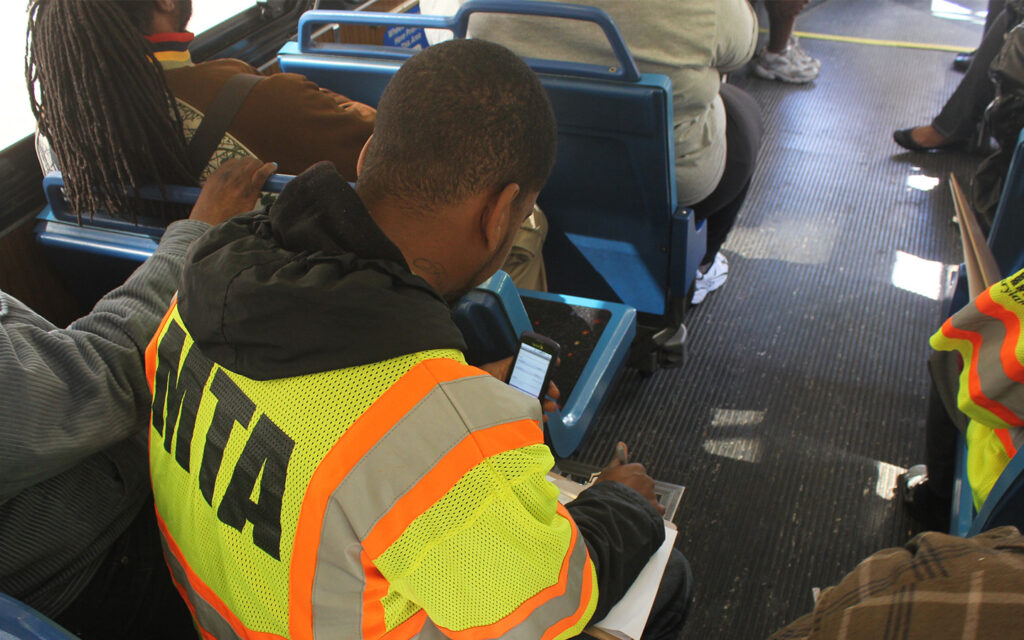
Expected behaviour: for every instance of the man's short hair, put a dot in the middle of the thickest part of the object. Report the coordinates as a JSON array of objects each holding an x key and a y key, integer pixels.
[{"x": 459, "y": 118}]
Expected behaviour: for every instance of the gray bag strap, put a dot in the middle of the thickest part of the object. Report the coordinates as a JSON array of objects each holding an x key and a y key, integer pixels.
[{"x": 218, "y": 118}]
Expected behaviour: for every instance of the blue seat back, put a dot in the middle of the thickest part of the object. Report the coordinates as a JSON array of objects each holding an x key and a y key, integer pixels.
[
  {"x": 96, "y": 253},
  {"x": 616, "y": 233},
  {"x": 1003, "y": 506},
  {"x": 492, "y": 317},
  {"x": 1007, "y": 235},
  {"x": 18, "y": 621}
]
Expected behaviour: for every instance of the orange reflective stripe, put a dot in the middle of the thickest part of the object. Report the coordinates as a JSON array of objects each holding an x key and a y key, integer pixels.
[
  {"x": 343, "y": 456},
  {"x": 374, "y": 625},
  {"x": 154, "y": 341},
  {"x": 473, "y": 449},
  {"x": 499, "y": 628},
  {"x": 1007, "y": 440},
  {"x": 208, "y": 595},
  {"x": 1008, "y": 349},
  {"x": 438, "y": 481},
  {"x": 973, "y": 380}
]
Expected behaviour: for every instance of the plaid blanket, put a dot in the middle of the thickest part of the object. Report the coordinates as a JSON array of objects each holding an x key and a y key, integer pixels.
[{"x": 937, "y": 587}]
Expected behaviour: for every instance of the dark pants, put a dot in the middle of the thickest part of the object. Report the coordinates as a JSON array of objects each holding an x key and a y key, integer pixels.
[
  {"x": 940, "y": 449},
  {"x": 671, "y": 603},
  {"x": 962, "y": 113},
  {"x": 743, "y": 133},
  {"x": 131, "y": 595}
]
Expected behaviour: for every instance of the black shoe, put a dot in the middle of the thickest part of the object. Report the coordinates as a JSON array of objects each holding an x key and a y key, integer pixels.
[
  {"x": 906, "y": 140},
  {"x": 926, "y": 507},
  {"x": 962, "y": 61}
]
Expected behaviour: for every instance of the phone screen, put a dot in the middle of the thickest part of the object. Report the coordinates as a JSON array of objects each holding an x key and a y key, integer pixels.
[{"x": 530, "y": 370}]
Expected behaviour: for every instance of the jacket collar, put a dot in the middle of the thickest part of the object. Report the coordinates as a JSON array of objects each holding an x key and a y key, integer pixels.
[{"x": 314, "y": 285}]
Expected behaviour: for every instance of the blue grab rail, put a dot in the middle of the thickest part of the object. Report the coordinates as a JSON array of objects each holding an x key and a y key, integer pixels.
[{"x": 625, "y": 69}]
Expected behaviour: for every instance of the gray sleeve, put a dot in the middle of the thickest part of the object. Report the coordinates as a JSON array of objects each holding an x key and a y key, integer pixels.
[{"x": 67, "y": 393}]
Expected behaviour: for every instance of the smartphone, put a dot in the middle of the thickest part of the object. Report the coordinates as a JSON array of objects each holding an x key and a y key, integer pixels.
[{"x": 531, "y": 370}]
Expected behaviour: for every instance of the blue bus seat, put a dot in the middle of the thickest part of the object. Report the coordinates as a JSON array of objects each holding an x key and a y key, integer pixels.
[
  {"x": 97, "y": 249},
  {"x": 98, "y": 252},
  {"x": 1005, "y": 503},
  {"x": 1006, "y": 238},
  {"x": 492, "y": 318},
  {"x": 18, "y": 621},
  {"x": 616, "y": 230},
  {"x": 1003, "y": 506}
]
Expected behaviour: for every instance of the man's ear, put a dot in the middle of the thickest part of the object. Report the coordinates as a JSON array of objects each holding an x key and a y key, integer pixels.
[
  {"x": 362, "y": 156},
  {"x": 496, "y": 217}
]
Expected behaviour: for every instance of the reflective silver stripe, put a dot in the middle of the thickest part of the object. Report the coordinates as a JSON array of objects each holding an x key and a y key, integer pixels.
[
  {"x": 995, "y": 384},
  {"x": 411, "y": 449},
  {"x": 206, "y": 615},
  {"x": 1017, "y": 436},
  {"x": 395, "y": 464},
  {"x": 429, "y": 632}
]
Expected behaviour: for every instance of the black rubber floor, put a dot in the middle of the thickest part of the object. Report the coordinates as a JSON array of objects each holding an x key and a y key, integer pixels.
[{"x": 804, "y": 391}]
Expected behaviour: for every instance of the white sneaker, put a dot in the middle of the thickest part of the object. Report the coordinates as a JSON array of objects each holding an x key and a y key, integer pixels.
[
  {"x": 801, "y": 56},
  {"x": 715, "y": 277},
  {"x": 785, "y": 66}
]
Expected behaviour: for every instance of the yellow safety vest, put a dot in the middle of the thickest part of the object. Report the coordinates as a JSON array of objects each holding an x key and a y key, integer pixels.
[
  {"x": 405, "y": 498},
  {"x": 988, "y": 334}
]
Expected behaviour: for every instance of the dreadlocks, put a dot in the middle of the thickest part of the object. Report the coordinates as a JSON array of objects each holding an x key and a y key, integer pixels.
[{"x": 100, "y": 98}]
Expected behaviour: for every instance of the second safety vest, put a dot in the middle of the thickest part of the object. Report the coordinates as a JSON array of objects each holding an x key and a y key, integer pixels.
[
  {"x": 989, "y": 334},
  {"x": 405, "y": 498}
]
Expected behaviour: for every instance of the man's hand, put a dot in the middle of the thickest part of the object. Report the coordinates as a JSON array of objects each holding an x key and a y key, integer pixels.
[
  {"x": 231, "y": 189},
  {"x": 500, "y": 369},
  {"x": 633, "y": 475}
]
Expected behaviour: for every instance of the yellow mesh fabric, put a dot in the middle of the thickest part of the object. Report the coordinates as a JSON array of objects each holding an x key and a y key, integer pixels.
[
  {"x": 986, "y": 459},
  {"x": 313, "y": 410},
  {"x": 491, "y": 543}
]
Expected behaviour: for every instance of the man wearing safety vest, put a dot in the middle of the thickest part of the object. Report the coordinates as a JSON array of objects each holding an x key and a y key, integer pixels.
[
  {"x": 324, "y": 463},
  {"x": 988, "y": 334}
]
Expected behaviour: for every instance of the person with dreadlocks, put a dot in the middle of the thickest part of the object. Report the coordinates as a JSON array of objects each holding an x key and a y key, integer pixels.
[
  {"x": 117, "y": 98},
  {"x": 131, "y": 119}
]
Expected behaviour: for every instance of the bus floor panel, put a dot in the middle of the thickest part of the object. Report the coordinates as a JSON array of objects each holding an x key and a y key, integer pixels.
[{"x": 803, "y": 394}]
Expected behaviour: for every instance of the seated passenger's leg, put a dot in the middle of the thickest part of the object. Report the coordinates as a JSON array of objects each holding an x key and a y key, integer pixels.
[
  {"x": 131, "y": 595},
  {"x": 930, "y": 502},
  {"x": 960, "y": 116},
  {"x": 782, "y": 58},
  {"x": 962, "y": 113},
  {"x": 743, "y": 132},
  {"x": 672, "y": 603}
]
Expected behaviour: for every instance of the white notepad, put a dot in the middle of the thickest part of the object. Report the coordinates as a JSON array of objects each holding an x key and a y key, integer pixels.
[{"x": 627, "y": 619}]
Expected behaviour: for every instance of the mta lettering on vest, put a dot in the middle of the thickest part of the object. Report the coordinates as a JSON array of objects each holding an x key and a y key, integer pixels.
[{"x": 405, "y": 498}]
